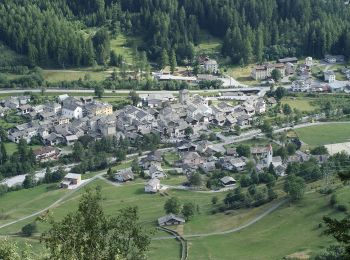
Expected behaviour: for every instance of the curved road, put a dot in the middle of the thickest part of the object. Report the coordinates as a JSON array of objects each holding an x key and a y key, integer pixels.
[
  {"x": 251, "y": 222},
  {"x": 99, "y": 176},
  {"x": 56, "y": 203}
]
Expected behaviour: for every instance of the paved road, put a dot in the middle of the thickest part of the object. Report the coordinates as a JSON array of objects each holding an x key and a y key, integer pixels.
[
  {"x": 234, "y": 230},
  {"x": 125, "y": 91}
]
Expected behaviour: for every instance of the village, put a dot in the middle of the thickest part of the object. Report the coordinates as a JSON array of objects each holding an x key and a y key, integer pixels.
[{"x": 202, "y": 136}]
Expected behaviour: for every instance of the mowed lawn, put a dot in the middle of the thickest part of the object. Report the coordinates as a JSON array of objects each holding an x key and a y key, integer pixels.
[
  {"x": 289, "y": 230},
  {"x": 302, "y": 104},
  {"x": 17, "y": 204},
  {"x": 325, "y": 134}
]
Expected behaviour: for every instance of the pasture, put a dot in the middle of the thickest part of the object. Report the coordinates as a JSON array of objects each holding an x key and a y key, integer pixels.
[{"x": 324, "y": 134}]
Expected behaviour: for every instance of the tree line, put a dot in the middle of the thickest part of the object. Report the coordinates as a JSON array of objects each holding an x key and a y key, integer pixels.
[{"x": 253, "y": 31}]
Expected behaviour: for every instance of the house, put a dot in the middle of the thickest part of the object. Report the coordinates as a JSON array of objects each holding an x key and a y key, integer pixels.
[
  {"x": 63, "y": 97},
  {"x": 281, "y": 170},
  {"x": 168, "y": 77},
  {"x": 211, "y": 66},
  {"x": 264, "y": 71},
  {"x": 46, "y": 153},
  {"x": 288, "y": 60},
  {"x": 98, "y": 109},
  {"x": 124, "y": 175},
  {"x": 329, "y": 76},
  {"x": 25, "y": 109},
  {"x": 231, "y": 164},
  {"x": 238, "y": 164},
  {"x": 334, "y": 58},
  {"x": 232, "y": 152},
  {"x": 260, "y": 106},
  {"x": 184, "y": 96},
  {"x": 227, "y": 181},
  {"x": 152, "y": 186},
  {"x": 309, "y": 61},
  {"x": 277, "y": 161},
  {"x": 71, "y": 139},
  {"x": 300, "y": 85},
  {"x": 259, "y": 151},
  {"x": 71, "y": 179},
  {"x": 170, "y": 220},
  {"x": 72, "y": 110},
  {"x": 192, "y": 159},
  {"x": 53, "y": 107},
  {"x": 272, "y": 101},
  {"x": 156, "y": 171},
  {"x": 208, "y": 166}
]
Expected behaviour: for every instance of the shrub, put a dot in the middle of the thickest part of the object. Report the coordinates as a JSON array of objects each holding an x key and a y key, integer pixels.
[
  {"x": 29, "y": 229},
  {"x": 333, "y": 201},
  {"x": 342, "y": 208}
]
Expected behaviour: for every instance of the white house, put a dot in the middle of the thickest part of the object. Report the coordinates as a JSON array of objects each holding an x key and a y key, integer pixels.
[
  {"x": 211, "y": 66},
  {"x": 329, "y": 76},
  {"x": 152, "y": 186},
  {"x": 71, "y": 180},
  {"x": 309, "y": 61},
  {"x": 72, "y": 110}
]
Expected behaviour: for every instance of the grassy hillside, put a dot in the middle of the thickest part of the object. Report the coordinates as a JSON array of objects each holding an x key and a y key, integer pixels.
[
  {"x": 289, "y": 230},
  {"x": 293, "y": 228}
]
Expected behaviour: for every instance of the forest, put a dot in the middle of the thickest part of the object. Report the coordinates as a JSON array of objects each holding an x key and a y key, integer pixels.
[{"x": 65, "y": 33}]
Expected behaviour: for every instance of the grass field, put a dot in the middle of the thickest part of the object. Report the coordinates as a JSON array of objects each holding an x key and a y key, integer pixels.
[
  {"x": 17, "y": 204},
  {"x": 242, "y": 74},
  {"x": 302, "y": 104},
  {"x": 208, "y": 45},
  {"x": 72, "y": 75},
  {"x": 286, "y": 231},
  {"x": 12, "y": 147},
  {"x": 121, "y": 46},
  {"x": 290, "y": 229},
  {"x": 131, "y": 194},
  {"x": 325, "y": 134}
]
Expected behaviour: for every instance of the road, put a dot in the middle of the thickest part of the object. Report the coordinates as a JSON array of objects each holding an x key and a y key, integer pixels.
[
  {"x": 19, "y": 179},
  {"x": 55, "y": 204},
  {"x": 123, "y": 91},
  {"x": 233, "y": 230},
  {"x": 187, "y": 188}
]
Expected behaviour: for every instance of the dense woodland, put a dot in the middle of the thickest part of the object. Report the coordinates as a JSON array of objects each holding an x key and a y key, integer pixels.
[{"x": 77, "y": 32}]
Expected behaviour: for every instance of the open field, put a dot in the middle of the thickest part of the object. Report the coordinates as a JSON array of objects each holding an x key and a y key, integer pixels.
[
  {"x": 325, "y": 134},
  {"x": 288, "y": 230},
  {"x": 121, "y": 46},
  {"x": 209, "y": 44},
  {"x": 262, "y": 240},
  {"x": 242, "y": 74},
  {"x": 132, "y": 194},
  {"x": 17, "y": 204},
  {"x": 302, "y": 104},
  {"x": 72, "y": 75}
]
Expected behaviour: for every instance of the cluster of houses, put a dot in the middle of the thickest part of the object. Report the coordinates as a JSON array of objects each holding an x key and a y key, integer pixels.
[
  {"x": 63, "y": 122},
  {"x": 171, "y": 119}
]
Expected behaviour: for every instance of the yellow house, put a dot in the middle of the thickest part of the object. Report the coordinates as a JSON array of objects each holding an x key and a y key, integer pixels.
[{"x": 99, "y": 108}]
